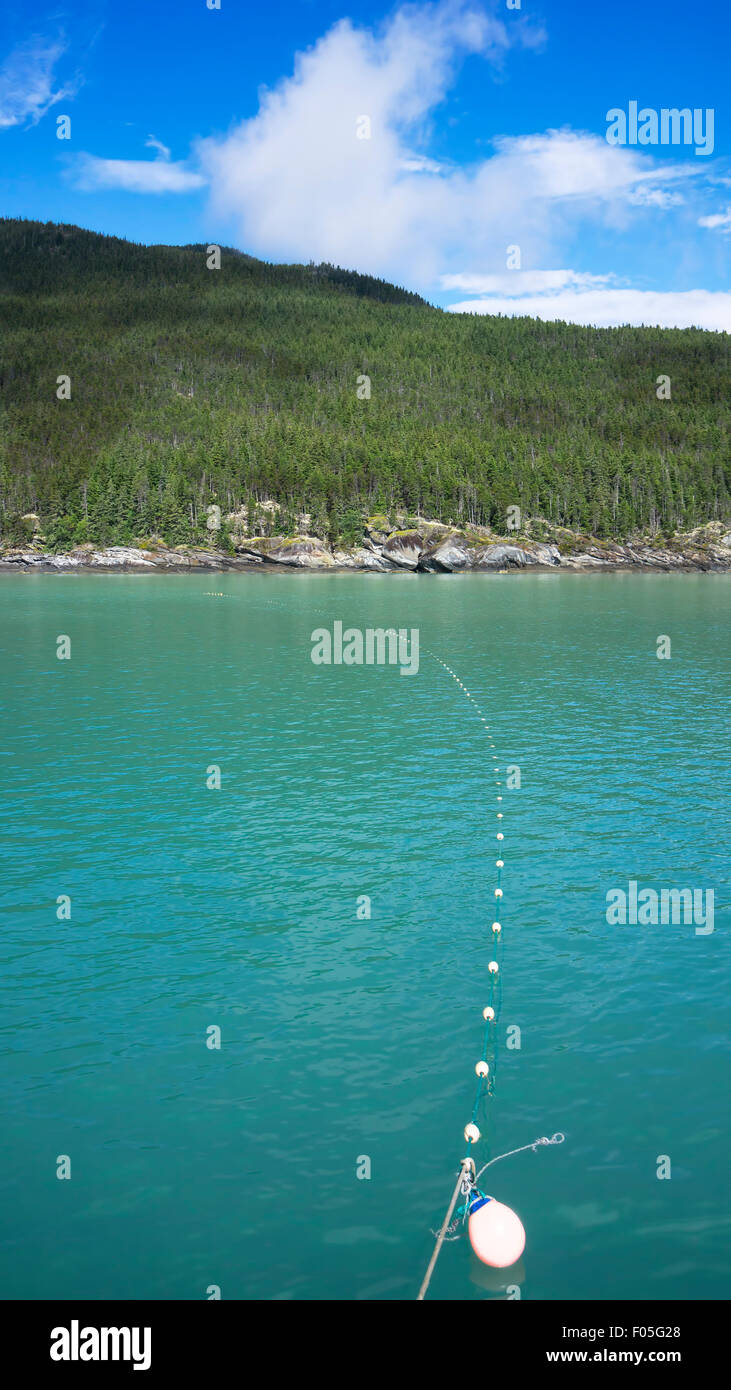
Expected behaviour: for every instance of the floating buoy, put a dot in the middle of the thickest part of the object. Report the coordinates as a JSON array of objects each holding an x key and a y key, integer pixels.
[
  {"x": 481, "y": 1069},
  {"x": 493, "y": 967},
  {"x": 471, "y": 1134},
  {"x": 488, "y": 1014},
  {"x": 496, "y": 1233},
  {"x": 496, "y": 928}
]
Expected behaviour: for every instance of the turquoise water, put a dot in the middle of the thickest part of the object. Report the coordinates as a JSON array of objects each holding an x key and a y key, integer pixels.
[{"x": 342, "y": 1037}]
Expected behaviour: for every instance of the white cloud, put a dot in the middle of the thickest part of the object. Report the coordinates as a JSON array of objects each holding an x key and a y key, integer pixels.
[
  {"x": 605, "y": 308},
  {"x": 643, "y": 196},
  {"x": 134, "y": 175},
  {"x": 516, "y": 283},
  {"x": 26, "y": 82},
  {"x": 570, "y": 165},
  {"x": 153, "y": 143},
  {"x": 420, "y": 164},
  {"x": 297, "y": 183},
  {"x": 718, "y": 221}
]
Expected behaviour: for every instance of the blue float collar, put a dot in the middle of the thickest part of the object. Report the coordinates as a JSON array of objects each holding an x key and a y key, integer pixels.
[{"x": 480, "y": 1202}]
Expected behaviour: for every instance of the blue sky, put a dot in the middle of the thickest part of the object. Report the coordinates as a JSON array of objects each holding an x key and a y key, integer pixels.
[{"x": 486, "y": 130}]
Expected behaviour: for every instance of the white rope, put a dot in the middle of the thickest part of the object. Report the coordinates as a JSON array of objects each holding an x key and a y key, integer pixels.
[{"x": 556, "y": 1139}]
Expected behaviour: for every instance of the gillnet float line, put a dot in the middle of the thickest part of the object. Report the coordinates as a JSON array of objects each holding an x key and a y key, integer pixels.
[{"x": 496, "y": 1234}]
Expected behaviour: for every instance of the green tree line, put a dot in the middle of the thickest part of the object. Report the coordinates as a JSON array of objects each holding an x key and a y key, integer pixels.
[{"x": 191, "y": 386}]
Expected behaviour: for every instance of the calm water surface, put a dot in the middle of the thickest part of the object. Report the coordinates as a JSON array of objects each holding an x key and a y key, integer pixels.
[{"x": 344, "y": 1037}]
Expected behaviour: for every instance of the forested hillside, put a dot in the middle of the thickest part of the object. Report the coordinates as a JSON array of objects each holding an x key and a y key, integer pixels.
[{"x": 191, "y": 386}]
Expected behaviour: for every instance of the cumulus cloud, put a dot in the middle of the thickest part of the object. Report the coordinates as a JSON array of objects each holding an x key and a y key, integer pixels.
[
  {"x": 297, "y": 183},
  {"x": 338, "y": 165},
  {"x": 606, "y": 307},
  {"x": 27, "y": 87}
]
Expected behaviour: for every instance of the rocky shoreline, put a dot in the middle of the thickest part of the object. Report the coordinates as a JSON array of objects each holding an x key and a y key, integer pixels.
[{"x": 426, "y": 548}]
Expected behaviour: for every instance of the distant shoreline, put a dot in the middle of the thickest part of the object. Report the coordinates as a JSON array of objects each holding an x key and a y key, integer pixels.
[
  {"x": 507, "y": 560},
  {"x": 427, "y": 547}
]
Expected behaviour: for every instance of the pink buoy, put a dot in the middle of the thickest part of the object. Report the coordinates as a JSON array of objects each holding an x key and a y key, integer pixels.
[{"x": 496, "y": 1233}]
